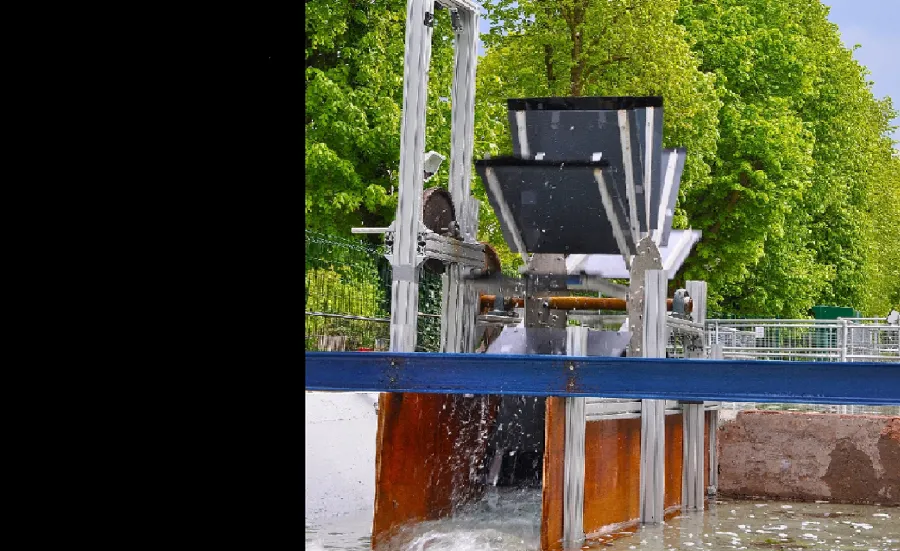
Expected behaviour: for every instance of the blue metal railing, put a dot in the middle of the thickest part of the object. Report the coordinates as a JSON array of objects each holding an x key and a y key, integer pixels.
[{"x": 871, "y": 383}]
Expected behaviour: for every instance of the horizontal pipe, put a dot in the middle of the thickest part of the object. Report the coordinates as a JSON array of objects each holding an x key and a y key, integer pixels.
[
  {"x": 369, "y": 230},
  {"x": 574, "y": 303},
  {"x": 634, "y": 378}
]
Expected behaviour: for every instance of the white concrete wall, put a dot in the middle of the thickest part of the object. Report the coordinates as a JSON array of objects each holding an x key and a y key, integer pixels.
[{"x": 340, "y": 454}]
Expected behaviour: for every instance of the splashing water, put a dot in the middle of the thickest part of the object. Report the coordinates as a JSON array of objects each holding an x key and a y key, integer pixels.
[
  {"x": 508, "y": 519},
  {"x": 504, "y": 519}
]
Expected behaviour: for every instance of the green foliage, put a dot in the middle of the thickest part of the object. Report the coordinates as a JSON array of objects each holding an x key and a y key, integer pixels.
[
  {"x": 428, "y": 329},
  {"x": 881, "y": 293},
  {"x": 799, "y": 136},
  {"x": 790, "y": 173},
  {"x": 354, "y": 99},
  {"x": 344, "y": 276}
]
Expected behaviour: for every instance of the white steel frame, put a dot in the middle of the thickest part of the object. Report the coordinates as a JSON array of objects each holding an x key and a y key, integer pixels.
[
  {"x": 573, "y": 486},
  {"x": 653, "y": 427},
  {"x": 407, "y": 254}
]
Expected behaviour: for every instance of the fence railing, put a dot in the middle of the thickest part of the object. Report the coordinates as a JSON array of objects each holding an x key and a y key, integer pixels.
[
  {"x": 842, "y": 340},
  {"x": 347, "y": 297},
  {"x": 821, "y": 340}
]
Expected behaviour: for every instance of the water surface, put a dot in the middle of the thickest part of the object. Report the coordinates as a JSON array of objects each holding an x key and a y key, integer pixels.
[{"x": 509, "y": 520}]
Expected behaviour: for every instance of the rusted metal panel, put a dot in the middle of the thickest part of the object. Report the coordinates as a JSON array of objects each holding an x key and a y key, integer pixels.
[
  {"x": 612, "y": 473},
  {"x": 674, "y": 460},
  {"x": 424, "y": 449},
  {"x": 552, "y": 491}
]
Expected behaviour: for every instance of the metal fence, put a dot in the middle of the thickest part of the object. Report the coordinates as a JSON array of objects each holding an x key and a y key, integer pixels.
[
  {"x": 842, "y": 340},
  {"x": 347, "y": 297}
]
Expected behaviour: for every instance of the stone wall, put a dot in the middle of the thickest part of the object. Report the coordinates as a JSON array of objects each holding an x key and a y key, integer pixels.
[{"x": 811, "y": 456}]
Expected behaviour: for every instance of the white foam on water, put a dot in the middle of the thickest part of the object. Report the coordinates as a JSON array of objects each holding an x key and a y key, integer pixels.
[
  {"x": 509, "y": 520},
  {"x": 503, "y": 520}
]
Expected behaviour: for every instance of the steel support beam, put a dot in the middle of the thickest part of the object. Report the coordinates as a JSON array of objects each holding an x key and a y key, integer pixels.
[
  {"x": 653, "y": 420},
  {"x": 459, "y": 298},
  {"x": 406, "y": 258},
  {"x": 715, "y": 353},
  {"x": 692, "y": 488},
  {"x": 692, "y": 476},
  {"x": 573, "y": 505},
  {"x": 863, "y": 383}
]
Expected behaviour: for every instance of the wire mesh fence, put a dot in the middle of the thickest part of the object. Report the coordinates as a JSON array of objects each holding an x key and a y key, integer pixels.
[
  {"x": 842, "y": 340},
  {"x": 347, "y": 297}
]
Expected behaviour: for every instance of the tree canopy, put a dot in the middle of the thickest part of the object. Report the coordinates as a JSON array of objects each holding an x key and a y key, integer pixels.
[{"x": 791, "y": 173}]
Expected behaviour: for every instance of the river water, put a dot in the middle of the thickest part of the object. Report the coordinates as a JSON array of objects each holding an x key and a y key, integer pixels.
[{"x": 509, "y": 520}]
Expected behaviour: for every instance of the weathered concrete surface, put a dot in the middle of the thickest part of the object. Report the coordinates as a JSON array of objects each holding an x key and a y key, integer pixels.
[
  {"x": 340, "y": 454},
  {"x": 811, "y": 456}
]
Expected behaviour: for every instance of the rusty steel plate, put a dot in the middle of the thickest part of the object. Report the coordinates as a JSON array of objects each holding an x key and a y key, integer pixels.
[
  {"x": 437, "y": 210},
  {"x": 437, "y": 213},
  {"x": 491, "y": 260}
]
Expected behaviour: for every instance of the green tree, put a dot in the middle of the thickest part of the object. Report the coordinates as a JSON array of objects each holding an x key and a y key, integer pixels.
[
  {"x": 800, "y": 134},
  {"x": 882, "y": 231},
  {"x": 354, "y": 99}
]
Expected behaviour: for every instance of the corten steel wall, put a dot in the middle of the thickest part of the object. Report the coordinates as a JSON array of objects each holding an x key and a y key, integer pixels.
[
  {"x": 612, "y": 472},
  {"x": 811, "y": 456},
  {"x": 425, "y": 451},
  {"x": 553, "y": 482},
  {"x": 425, "y": 448}
]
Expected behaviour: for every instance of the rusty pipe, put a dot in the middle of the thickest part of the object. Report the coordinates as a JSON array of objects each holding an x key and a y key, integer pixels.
[{"x": 575, "y": 303}]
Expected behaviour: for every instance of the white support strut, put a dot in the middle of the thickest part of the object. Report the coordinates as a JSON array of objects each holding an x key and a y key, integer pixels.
[
  {"x": 405, "y": 263},
  {"x": 459, "y": 299},
  {"x": 653, "y": 427},
  {"x": 573, "y": 488},
  {"x": 692, "y": 481}
]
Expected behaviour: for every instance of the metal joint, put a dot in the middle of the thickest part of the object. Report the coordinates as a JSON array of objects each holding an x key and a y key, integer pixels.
[
  {"x": 455, "y": 21},
  {"x": 448, "y": 249},
  {"x": 429, "y": 19}
]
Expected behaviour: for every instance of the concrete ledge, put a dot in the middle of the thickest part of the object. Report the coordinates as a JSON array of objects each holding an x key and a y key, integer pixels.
[{"x": 811, "y": 456}]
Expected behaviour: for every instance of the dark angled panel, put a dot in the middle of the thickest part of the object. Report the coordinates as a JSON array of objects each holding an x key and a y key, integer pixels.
[
  {"x": 650, "y": 146},
  {"x": 555, "y": 207},
  {"x": 670, "y": 183},
  {"x": 581, "y": 129},
  {"x": 584, "y": 103}
]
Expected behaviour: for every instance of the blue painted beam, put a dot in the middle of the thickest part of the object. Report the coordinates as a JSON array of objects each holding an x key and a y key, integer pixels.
[{"x": 865, "y": 383}]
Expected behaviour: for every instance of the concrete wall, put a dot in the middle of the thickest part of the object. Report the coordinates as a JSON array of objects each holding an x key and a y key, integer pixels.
[
  {"x": 811, "y": 456},
  {"x": 340, "y": 454}
]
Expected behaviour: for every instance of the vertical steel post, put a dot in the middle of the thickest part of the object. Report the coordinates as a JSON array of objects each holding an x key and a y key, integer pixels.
[
  {"x": 715, "y": 353},
  {"x": 653, "y": 425},
  {"x": 459, "y": 300},
  {"x": 844, "y": 335},
  {"x": 692, "y": 475},
  {"x": 462, "y": 112},
  {"x": 573, "y": 489},
  {"x": 697, "y": 291},
  {"x": 407, "y": 258}
]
